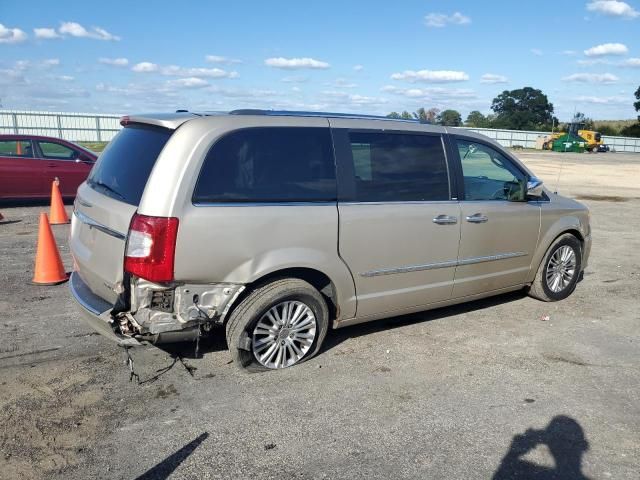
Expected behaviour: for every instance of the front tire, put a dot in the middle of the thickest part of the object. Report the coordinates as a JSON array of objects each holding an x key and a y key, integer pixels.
[
  {"x": 559, "y": 271},
  {"x": 278, "y": 325}
]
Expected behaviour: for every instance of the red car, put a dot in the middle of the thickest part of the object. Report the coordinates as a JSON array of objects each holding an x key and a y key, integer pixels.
[{"x": 28, "y": 165}]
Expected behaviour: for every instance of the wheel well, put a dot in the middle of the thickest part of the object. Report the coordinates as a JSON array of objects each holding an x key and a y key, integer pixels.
[
  {"x": 316, "y": 278},
  {"x": 575, "y": 233}
]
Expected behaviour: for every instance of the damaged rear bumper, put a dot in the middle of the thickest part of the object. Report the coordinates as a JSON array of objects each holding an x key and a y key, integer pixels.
[
  {"x": 97, "y": 312},
  {"x": 156, "y": 313}
]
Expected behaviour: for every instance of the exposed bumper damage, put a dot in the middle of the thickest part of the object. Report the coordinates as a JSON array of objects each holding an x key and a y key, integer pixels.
[{"x": 156, "y": 313}]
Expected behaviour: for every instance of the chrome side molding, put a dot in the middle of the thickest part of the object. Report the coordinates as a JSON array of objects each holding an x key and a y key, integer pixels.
[
  {"x": 446, "y": 264},
  {"x": 98, "y": 226}
]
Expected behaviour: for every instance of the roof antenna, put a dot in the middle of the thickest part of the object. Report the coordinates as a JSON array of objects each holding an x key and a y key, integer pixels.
[{"x": 562, "y": 159}]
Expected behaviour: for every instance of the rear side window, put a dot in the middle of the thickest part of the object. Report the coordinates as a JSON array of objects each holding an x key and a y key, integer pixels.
[
  {"x": 124, "y": 166},
  {"x": 397, "y": 167},
  {"x": 16, "y": 148},
  {"x": 57, "y": 150},
  {"x": 278, "y": 164}
]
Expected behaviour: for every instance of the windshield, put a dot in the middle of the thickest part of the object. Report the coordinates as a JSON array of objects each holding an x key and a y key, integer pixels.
[{"x": 123, "y": 168}]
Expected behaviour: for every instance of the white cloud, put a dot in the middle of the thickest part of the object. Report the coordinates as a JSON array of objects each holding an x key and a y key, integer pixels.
[
  {"x": 613, "y": 8},
  {"x": 493, "y": 78},
  {"x": 65, "y": 78},
  {"x": 568, "y": 52},
  {"x": 116, "y": 62},
  {"x": 358, "y": 68},
  {"x": 174, "y": 70},
  {"x": 431, "y": 93},
  {"x": 74, "y": 29},
  {"x": 295, "y": 63},
  {"x": 11, "y": 35},
  {"x": 145, "y": 67},
  {"x": 591, "y": 78},
  {"x": 606, "y": 49},
  {"x": 190, "y": 82},
  {"x": 594, "y": 61},
  {"x": 46, "y": 33},
  {"x": 439, "y": 20},
  {"x": 342, "y": 83},
  {"x": 177, "y": 71},
  {"x": 295, "y": 79},
  {"x": 431, "y": 76},
  {"x": 631, "y": 62},
  {"x": 537, "y": 52},
  {"x": 51, "y": 62},
  {"x": 613, "y": 100},
  {"x": 220, "y": 59}
]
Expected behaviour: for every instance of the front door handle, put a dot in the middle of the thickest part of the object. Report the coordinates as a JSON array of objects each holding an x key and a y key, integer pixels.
[
  {"x": 477, "y": 218},
  {"x": 445, "y": 220}
]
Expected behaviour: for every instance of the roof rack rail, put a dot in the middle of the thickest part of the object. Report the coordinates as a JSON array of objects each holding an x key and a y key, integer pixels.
[{"x": 302, "y": 113}]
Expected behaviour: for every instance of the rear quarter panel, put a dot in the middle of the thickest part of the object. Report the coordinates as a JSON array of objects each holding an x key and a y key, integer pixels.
[{"x": 241, "y": 243}]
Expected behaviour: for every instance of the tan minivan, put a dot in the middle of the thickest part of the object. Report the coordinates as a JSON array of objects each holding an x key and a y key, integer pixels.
[{"x": 280, "y": 225}]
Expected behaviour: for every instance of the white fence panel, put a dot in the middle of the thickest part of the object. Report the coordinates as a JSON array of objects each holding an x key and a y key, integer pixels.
[{"x": 91, "y": 127}]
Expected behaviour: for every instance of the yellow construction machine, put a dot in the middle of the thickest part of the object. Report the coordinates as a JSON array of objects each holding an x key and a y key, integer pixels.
[{"x": 592, "y": 139}]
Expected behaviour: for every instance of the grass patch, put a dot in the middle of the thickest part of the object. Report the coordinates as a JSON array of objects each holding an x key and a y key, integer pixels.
[{"x": 94, "y": 146}]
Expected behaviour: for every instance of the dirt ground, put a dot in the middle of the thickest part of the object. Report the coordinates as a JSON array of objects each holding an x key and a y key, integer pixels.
[{"x": 507, "y": 387}]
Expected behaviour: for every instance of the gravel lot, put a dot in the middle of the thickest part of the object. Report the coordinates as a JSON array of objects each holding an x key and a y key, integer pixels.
[{"x": 486, "y": 389}]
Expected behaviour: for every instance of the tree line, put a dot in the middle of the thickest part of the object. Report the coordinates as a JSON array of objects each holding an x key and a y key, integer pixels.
[{"x": 522, "y": 109}]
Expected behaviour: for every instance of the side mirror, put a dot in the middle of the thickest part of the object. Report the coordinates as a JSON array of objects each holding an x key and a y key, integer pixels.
[
  {"x": 84, "y": 158},
  {"x": 535, "y": 187}
]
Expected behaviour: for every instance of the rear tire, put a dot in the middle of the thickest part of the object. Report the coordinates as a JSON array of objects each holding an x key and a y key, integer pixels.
[
  {"x": 278, "y": 325},
  {"x": 559, "y": 270}
]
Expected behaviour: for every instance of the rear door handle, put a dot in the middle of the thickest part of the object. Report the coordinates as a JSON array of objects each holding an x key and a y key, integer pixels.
[
  {"x": 445, "y": 220},
  {"x": 477, "y": 218}
]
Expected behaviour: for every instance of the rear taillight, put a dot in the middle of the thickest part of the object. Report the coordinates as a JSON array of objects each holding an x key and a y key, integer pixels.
[{"x": 151, "y": 247}]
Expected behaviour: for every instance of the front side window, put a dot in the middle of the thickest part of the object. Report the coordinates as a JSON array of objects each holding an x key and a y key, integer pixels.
[
  {"x": 57, "y": 151},
  {"x": 398, "y": 167},
  {"x": 489, "y": 175},
  {"x": 271, "y": 164},
  {"x": 16, "y": 148}
]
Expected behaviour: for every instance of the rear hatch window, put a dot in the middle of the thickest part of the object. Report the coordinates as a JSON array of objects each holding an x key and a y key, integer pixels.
[{"x": 123, "y": 168}]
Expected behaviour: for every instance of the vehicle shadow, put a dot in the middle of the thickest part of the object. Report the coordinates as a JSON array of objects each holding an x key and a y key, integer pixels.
[
  {"x": 336, "y": 337},
  {"x": 567, "y": 443},
  {"x": 167, "y": 466}
]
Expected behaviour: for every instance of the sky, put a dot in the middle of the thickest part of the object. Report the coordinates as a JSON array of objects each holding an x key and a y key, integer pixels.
[{"x": 349, "y": 56}]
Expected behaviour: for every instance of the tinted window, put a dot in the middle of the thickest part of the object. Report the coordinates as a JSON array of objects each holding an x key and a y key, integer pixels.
[
  {"x": 489, "y": 175},
  {"x": 269, "y": 165},
  {"x": 56, "y": 150},
  {"x": 399, "y": 167},
  {"x": 124, "y": 166},
  {"x": 16, "y": 148}
]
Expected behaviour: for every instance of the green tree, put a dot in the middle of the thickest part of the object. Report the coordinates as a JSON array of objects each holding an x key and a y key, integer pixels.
[
  {"x": 523, "y": 109},
  {"x": 405, "y": 115},
  {"x": 426, "y": 116},
  {"x": 607, "y": 130},
  {"x": 450, "y": 118},
  {"x": 394, "y": 115},
  {"x": 633, "y": 130},
  {"x": 580, "y": 117},
  {"x": 476, "y": 119}
]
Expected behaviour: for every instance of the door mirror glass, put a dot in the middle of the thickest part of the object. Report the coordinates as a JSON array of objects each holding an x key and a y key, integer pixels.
[{"x": 535, "y": 187}]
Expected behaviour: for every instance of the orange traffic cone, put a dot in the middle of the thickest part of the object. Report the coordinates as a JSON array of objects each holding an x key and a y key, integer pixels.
[
  {"x": 49, "y": 269},
  {"x": 57, "y": 214}
]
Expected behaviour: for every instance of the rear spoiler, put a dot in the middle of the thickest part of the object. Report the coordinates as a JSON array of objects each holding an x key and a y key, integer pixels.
[{"x": 165, "y": 120}]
